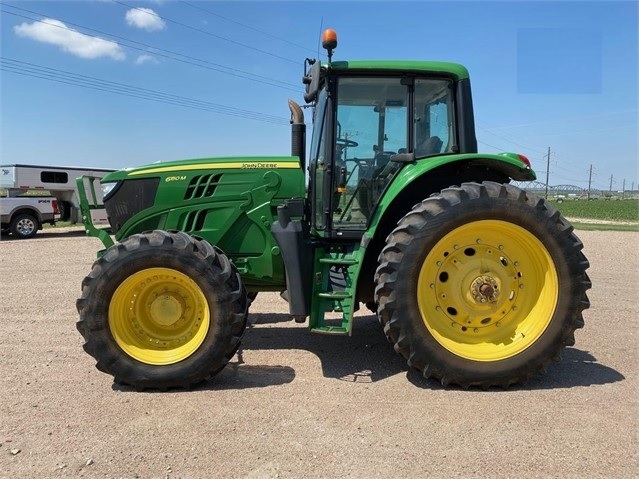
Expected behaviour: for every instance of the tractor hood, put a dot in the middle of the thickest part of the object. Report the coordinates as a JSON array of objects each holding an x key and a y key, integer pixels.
[{"x": 180, "y": 167}]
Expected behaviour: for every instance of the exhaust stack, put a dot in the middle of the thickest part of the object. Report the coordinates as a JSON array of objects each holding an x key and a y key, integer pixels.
[{"x": 298, "y": 133}]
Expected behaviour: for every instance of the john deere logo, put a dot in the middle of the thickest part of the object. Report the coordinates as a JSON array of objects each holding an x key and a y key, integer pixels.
[{"x": 259, "y": 165}]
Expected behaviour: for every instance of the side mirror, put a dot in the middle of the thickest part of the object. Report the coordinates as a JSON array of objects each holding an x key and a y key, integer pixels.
[{"x": 312, "y": 82}]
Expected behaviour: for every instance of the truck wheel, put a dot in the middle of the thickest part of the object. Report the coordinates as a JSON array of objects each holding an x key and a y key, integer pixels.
[
  {"x": 162, "y": 310},
  {"x": 24, "y": 226},
  {"x": 482, "y": 285}
]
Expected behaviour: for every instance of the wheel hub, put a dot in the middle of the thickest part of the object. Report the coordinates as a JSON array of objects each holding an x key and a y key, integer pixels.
[
  {"x": 166, "y": 310},
  {"x": 484, "y": 289},
  {"x": 25, "y": 226}
]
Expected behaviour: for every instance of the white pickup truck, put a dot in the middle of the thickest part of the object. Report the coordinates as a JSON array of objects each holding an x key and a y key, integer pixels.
[{"x": 23, "y": 216}]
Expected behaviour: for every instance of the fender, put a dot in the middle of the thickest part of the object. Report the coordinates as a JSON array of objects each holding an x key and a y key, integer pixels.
[{"x": 510, "y": 164}]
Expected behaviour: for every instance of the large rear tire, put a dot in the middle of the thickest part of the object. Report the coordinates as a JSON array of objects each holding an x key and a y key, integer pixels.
[
  {"x": 482, "y": 285},
  {"x": 162, "y": 310}
]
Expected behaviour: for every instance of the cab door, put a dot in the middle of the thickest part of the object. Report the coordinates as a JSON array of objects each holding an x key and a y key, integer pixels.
[{"x": 372, "y": 125}]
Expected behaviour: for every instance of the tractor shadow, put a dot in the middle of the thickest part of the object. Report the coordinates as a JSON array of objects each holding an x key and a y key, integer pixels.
[
  {"x": 367, "y": 357},
  {"x": 575, "y": 368}
]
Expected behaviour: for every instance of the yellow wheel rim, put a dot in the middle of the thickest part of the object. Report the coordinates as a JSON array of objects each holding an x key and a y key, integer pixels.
[
  {"x": 159, "y": 316},
  {"x": 487, "y": 290}
]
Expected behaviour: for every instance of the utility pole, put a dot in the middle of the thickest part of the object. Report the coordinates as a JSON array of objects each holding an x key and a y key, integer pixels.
[
  {"x": 623, "y": 189},
  {"x": 610, "y": 185},
  {"x": 589, "y": 180},
  {"x": 547, "y": 172}
]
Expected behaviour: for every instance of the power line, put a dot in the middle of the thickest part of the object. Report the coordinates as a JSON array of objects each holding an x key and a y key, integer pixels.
[
  {"x": 488, "y": 144},
  {"x": 566, "y": 119},
  {"x": 501, "y": 149},
  {"x": 166, "y": 53},
  {"x": 205, "y": 32},
  {"x": 245, "y": 25},
  {"x": 560, "y": 165},
  {"x": 93, "y": 83},
  {"x": 557, "y": 162},
  {"x": 489, "y": 131}
]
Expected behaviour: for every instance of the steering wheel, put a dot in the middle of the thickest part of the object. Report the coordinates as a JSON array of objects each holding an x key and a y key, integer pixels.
[{"x": 345, "y": 143}]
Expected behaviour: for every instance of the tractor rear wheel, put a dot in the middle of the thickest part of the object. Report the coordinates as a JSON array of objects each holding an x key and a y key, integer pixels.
[
  {"x": 162, "y": 310},
  {"x": 482, "y": 285}
]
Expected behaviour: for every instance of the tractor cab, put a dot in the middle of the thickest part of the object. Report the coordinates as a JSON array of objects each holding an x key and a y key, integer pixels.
[{"x": 370, "y": 119}]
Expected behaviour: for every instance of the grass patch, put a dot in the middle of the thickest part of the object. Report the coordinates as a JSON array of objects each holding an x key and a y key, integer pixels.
[
  {"x": 605, "y": 227},
  {"x": 612, "y": 210}
]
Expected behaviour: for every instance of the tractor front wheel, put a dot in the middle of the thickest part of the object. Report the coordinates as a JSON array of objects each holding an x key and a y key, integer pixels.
[
  {"x": 482, "y": 285},
  {"x": 162, "y": 310}
]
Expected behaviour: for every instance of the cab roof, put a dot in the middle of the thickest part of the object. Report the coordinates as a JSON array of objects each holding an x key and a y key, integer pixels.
[{"x": 447, "y": 68}]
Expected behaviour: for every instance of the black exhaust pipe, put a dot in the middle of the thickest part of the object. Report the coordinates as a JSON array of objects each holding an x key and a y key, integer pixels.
[{"x": 298, "y": 133}]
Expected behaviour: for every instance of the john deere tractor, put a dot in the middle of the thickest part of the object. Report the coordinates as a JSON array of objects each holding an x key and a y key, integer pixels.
[{"x": 475, "y": 282}]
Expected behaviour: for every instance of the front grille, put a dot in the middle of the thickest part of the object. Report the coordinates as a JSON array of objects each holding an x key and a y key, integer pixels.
[{"x": 131, "y": 197}]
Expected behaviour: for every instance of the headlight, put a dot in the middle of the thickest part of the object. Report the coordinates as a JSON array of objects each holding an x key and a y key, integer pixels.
[{"x": 107, "y": 188}]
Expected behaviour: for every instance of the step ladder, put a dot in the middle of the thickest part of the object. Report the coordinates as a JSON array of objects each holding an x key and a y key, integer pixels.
[{"x": 334, "y": 285}]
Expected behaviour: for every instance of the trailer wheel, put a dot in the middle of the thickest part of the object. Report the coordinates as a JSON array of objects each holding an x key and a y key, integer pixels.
[
  {"x": 24, "y": 226},
  {"x": 64, "y": 208},
  {"x": 482, "y": 285},
  {"x": 162, "y": 310}
]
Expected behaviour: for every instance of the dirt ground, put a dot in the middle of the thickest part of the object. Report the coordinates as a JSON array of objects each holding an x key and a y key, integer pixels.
[{"x": 297, "y": 405}]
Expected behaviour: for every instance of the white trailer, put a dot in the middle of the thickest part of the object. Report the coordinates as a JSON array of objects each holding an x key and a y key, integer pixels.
[{"x": 59, "y": 181}]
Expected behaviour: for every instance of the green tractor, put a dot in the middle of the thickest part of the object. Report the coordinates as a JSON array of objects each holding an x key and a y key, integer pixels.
[{"x": 475, "y": 281}]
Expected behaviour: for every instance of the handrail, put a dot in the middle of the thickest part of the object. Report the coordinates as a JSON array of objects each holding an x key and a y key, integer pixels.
[{"x": 86, "y": 207}]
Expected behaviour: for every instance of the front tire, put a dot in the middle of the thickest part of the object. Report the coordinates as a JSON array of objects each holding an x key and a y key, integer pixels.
[
  {"x": 482, "y": 285},
  {"x": 162, "y": 310},
  {"x": 24, "y": 226}
]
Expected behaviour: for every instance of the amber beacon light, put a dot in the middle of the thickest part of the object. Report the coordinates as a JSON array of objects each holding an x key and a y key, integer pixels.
[{"x": 329, "y": 41}]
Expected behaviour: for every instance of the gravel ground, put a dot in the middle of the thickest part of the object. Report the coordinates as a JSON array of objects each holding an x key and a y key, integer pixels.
[{"x": 296, "y": 405}]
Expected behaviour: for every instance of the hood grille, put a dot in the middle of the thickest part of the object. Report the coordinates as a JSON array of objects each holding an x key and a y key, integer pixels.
[{"x": 202, "y": 186}]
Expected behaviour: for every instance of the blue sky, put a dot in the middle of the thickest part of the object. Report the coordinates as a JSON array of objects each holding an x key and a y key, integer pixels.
[{"x": 199, "y": 79}]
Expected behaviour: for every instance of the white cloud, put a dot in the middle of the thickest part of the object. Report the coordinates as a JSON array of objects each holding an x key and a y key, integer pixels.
[
  {"x": 144, "y": 18},
  {"x": 57, "y": 33},
  {"x": 142, "y": 59}
]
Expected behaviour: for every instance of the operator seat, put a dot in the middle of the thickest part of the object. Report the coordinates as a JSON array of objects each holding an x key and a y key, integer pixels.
[{"x": 430, "y": 146}]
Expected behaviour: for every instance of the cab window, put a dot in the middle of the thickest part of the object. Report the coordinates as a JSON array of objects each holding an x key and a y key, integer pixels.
[{"x": 371, "y": 125}]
